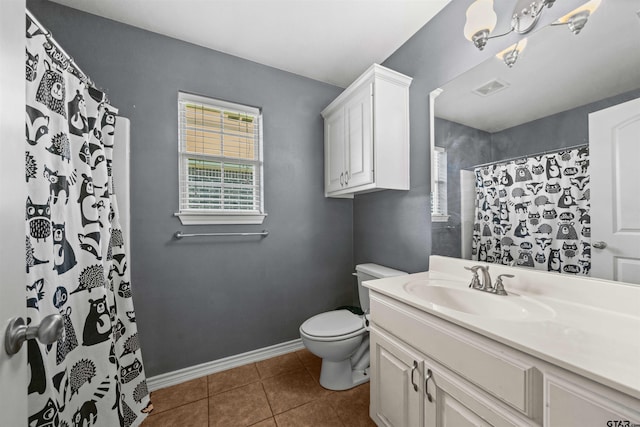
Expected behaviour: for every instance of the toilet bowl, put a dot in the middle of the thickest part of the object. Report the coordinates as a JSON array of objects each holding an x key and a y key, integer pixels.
[{"x": 341, "y": 338}]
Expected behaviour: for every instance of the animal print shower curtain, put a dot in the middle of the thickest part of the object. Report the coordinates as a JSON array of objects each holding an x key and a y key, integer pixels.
[
  {"x": 75, "y": 258},
  {"x": 535, "y": 212}
]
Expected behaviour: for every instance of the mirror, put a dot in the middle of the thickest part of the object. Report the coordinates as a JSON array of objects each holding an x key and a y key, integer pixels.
[{"x": 538, "y": 107}]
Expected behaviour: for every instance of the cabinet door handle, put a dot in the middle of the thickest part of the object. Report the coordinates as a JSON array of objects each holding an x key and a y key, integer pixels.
[
  {"x": 342, "y": 179},
  {"x": 346, "y": 178},
  {"x": 415, "y": 366},
  {"x": 426, "y": 385}
]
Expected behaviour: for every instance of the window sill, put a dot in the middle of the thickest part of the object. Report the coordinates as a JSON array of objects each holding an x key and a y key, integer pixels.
[
  {"x": 199, "y": 218},
  {"x": 439, "y": 218}
]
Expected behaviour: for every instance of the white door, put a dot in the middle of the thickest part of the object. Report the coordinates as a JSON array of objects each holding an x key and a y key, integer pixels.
[
  {"x": 614, "y": 143},
  {"x": 13, "y": 370}
]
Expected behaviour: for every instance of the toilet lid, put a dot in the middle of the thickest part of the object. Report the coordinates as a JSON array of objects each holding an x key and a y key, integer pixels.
[{"x": 332, "y": 323}]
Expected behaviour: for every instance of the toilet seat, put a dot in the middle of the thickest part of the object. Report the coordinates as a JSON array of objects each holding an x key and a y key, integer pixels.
[{"x": 333, "y": 325}]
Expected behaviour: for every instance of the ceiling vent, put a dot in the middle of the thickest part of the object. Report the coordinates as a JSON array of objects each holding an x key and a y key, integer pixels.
[{"x": 490, "y": 88}]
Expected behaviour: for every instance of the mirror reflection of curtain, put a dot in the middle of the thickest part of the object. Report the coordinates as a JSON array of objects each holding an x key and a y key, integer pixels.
[{"x": 534, "y": 212}]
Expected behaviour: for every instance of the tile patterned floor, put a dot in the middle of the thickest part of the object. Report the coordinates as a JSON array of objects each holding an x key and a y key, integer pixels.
[{"x": 278, "y": 392}]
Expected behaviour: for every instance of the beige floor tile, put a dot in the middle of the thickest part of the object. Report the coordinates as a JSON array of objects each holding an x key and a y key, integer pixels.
[
  {"x": 195, "y": 414},
  {"x": 240, "y": 407},
  {"x": 178, "y": 395},
  {"x": 290, "y": 390},
  {"x": 278, "y": 365},
  {"x": 266, "y": 423},
  {"x": 232, "y": 378},
  {"x": 310, "y": 361},
  {"x": 318, "y": 413},
  {"x": 352, "y": 406}
]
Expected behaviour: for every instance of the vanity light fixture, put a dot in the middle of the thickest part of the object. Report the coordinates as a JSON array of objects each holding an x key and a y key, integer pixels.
[
  {"x": 510, "y": 54},
  {"x": 482, "y": 19},
  {"x": 577, "y": 18}
]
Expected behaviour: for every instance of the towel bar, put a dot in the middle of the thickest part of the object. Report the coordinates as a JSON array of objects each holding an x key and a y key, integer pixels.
[{"x": 179, "y": 235}]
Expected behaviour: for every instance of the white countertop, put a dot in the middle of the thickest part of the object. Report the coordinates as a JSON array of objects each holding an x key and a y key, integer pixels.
[{"x": 592, "y": 334}]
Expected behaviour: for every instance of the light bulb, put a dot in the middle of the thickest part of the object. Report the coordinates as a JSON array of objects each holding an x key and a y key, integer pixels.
[
  {"x": 585, "y": 10},
  {"x": 480, "y": 17}
]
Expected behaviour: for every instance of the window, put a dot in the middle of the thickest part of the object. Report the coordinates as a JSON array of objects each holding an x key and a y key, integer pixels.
[
  {"x": 220, "y": 150},
  {"x": 439, "y": 191}
]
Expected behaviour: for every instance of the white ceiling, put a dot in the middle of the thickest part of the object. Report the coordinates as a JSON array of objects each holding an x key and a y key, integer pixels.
[
  {"x": 557, "y": 71},
  {"x": 332, "y": 41}
]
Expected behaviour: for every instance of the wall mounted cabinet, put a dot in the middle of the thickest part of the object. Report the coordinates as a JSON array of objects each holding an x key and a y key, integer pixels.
[{"x": 366, "y": 135}]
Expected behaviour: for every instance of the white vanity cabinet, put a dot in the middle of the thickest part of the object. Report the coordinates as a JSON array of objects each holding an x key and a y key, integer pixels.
[
  {"x": 426, "y": 371},
  {"x": 410, "y": 389},
  {"x": 366, "y": 135}
]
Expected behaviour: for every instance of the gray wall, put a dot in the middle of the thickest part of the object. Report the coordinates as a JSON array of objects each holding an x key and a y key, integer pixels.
[
  {"x": 559, "y": 130},
  {"x": 465, "y": 146},
  {"x": 393, "y": 227},
  {"x": 203, "y": 299}
]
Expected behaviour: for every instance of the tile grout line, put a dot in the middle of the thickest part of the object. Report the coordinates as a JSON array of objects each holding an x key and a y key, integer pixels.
[{"x": 208, "y": 404}]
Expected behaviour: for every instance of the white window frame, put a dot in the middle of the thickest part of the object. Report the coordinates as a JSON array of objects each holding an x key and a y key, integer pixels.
[
  {"x": 439, "y": 185},
  {"x": 218, "y": 216}
]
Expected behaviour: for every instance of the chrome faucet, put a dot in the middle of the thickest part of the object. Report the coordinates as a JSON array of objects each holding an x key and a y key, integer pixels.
[
  {"x": 485, "y": 285},
  {"x": 486, "y": 279}
]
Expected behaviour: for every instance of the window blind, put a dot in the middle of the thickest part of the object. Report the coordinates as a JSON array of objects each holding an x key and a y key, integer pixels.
[
  {"x": 220, "y": 156},
  {"x": 439, "y": 196}
]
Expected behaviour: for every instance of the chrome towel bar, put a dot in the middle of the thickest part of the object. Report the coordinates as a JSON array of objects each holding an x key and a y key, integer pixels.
[{"x": 179, "y": 235}]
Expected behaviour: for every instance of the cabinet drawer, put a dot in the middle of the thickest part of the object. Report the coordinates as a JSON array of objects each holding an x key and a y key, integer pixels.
[
  {"x": 514, "y": 382},
  {"x": 455, "y": 403}
]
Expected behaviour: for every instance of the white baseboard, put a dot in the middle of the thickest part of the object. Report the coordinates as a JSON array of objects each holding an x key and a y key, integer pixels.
[{"x": 186, "y": 374}]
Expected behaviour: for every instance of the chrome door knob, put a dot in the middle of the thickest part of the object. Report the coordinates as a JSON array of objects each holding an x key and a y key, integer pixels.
[
  {"x": 48, "y": 332},
  {"x": 599, "y": 245}
]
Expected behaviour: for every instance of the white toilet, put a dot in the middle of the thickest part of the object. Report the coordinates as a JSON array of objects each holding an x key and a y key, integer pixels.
[{"x": 341, "y": 338}]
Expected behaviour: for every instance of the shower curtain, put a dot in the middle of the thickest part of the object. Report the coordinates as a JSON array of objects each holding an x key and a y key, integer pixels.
[
  {"x": 75, "y": 259},
  {"x": 535, "y": 212}
]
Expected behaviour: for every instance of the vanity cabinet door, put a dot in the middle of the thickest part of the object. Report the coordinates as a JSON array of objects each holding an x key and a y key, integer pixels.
[
  {"x": 396, "y": 393},
  {"x": 568, "y": 403},
  {"x": 450, "y": 401}
]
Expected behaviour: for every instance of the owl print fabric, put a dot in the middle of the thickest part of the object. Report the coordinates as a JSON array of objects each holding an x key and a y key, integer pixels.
[
  {"x": 75, "y": 260},
  {"x": 534, "y": 212}
]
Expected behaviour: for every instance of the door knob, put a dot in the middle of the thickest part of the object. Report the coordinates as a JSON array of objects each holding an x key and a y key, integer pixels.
[
  {"x": 599, "y": 245},
  {"x": 48, "y": 332}
]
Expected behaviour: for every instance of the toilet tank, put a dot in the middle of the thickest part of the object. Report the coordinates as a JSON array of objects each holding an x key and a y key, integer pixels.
[{"x": 371, "y": 272}]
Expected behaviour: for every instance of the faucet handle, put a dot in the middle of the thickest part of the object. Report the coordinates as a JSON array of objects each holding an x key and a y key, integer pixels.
[
  {"x": 475, "y": 280},
  {"x": 499, "y": 287}
]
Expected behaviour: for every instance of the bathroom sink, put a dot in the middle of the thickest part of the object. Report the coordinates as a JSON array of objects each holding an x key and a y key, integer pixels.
[{"x": 478, "y": 303}]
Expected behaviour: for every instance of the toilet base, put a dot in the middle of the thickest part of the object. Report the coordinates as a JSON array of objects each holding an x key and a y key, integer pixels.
[{"x": 341, "y": 376}]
